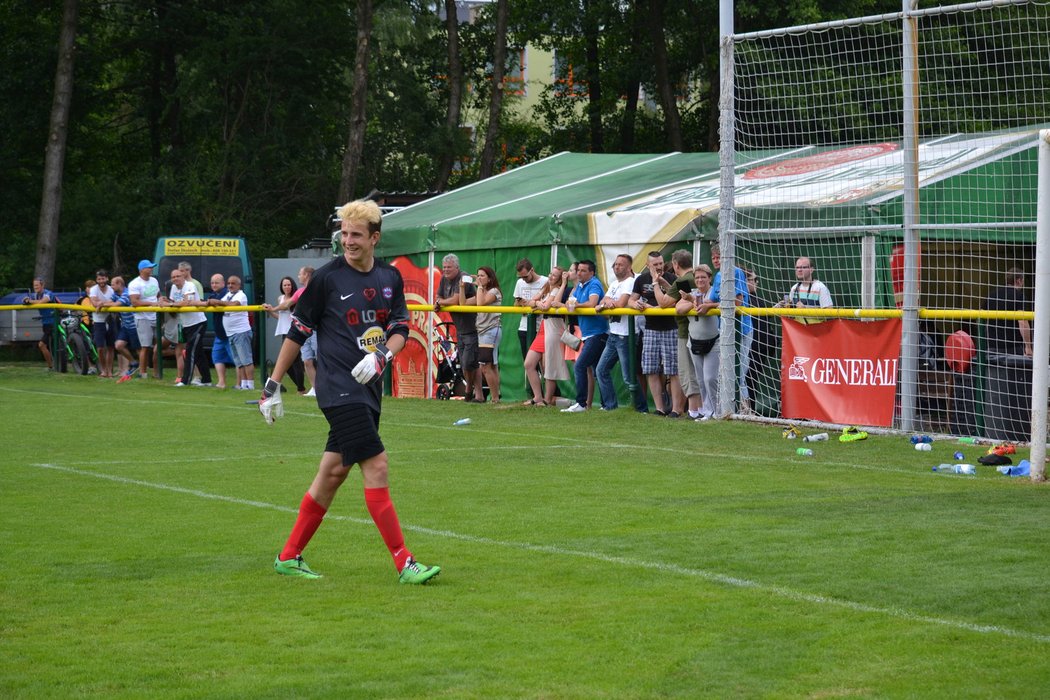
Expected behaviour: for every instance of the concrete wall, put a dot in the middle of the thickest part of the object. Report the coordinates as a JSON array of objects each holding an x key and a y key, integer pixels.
[{"x": 274, "y": 270}]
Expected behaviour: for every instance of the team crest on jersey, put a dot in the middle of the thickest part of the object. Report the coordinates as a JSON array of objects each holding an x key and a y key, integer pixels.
[
  {"x": 388, "y": 293},
  {"x": 372, "y": 336},
  {"x": 370, "y": 293}
]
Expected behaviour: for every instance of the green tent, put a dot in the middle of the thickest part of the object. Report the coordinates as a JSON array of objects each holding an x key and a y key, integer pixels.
[{"x": 842, "y": 204}]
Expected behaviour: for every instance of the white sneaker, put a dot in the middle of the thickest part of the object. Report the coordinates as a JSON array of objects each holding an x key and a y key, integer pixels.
[
  {"x": 179, "y": 383},
  {"x": 311, "y": 392},
  {"x": 575, "y": 408}
]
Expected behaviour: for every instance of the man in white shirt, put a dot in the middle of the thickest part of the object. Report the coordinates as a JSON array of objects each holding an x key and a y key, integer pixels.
[
  {"x": 103, "y": 331},
  {"x": 616, "y": 347},
  {"x": 238, "y": 332},
  {"x": 144, "y": 290},
  {"x": 187, "y": 270},
  {"x": 526, "y": 289},
  {"x": 808, "y": 291},
  {"x": 184, "y": 293}
]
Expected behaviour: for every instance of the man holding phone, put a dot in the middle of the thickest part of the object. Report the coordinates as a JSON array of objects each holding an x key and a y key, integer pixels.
[{"x": 660, "y": 337}]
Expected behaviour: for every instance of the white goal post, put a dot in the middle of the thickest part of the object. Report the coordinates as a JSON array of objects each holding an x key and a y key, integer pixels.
[{"x": 899, "y": 159}]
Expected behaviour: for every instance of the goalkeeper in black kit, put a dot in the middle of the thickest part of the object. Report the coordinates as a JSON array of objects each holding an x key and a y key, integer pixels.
[{"x": 356, "y": 306}]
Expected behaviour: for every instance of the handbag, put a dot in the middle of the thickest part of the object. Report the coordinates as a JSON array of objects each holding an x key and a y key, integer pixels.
[
  {"x": 571, "y": 340},
  {"x": 702, "y": 346}
]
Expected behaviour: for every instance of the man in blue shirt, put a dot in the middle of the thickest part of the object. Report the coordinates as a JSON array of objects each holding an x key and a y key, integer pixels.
[
  {"x": 220, "y": 349},
  {"x": 41, "y": 295},
  {"x": 593, "y": 329},
  {"x": 743, "y": 298},
  {"x": 127, "y": 340}
]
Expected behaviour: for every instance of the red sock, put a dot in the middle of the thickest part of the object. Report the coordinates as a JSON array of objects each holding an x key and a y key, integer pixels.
[
  {"x": 384, "y": 516},
  {"x": 310, "y": 515}
]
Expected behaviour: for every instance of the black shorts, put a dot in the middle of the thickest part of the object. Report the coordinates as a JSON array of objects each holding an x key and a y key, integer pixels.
[
  {"x": 467, "y": 349},
  {"x": 46, "y": 337},
  {"x": 353, "y": 432},
  {"x": 103, "y": 334}
]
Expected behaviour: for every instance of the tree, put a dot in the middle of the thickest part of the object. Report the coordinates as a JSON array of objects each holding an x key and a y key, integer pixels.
[
  {"x": 592, "y": 71},
  {"x": 664, "y": 79},
  {"x": 455, "y": 97},
  {"x": 499, "y": 62},
  {"x": 55, "y": 158},
  {"x": 358, "y": 104}
]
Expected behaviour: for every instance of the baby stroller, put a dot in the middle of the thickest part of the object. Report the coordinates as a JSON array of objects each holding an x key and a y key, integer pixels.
[{"x": 450, "y": 379}]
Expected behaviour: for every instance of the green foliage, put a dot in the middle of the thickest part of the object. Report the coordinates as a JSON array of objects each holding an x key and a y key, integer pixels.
[
  {"x": 210, "y": 117},
  {"x": 583, "y": 556}
]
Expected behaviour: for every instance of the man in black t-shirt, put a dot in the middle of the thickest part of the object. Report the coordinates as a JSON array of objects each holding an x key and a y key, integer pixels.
[
  {"x": 1007, "y": 337},
  {"x": 356, "y": 306},
  {"x": 660, "y": 337},
  {"x": 466, "y": 324}
]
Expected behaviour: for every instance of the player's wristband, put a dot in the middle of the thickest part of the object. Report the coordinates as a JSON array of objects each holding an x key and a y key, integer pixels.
[
  {"x": 271, "y": 388},
  {"x": 384, "y": 351}
]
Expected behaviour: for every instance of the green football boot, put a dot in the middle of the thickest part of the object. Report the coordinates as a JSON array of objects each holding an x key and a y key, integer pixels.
[
  {"x": 414, "y": 572},
  {"x": 294, "y": 567},
  {"x": 852, "y": 434}
]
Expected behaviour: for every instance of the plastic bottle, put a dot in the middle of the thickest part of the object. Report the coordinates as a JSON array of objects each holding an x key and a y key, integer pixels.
[
  {"x": 819, "y": 437},
  {"x": 967, "y": 441},
  {"x": 956, "y": 468},
  {"x": 923, "y": 446},
  {"x": 804, "y": 452},
  {"x": 462, "y": 421},
  {"x": 918, "y": 439}
]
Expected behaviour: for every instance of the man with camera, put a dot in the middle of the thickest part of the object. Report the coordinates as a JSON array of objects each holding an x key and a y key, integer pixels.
[{"x": 660, "y": 337}]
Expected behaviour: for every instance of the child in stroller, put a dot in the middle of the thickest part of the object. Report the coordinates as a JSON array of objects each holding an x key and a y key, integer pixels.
[{"x": 450, "y": 379}]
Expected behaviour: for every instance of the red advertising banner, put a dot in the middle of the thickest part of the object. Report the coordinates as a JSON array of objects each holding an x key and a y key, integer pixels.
[
  {"x": 409, "y": 371},
  {"x": 840, "y": 371}
]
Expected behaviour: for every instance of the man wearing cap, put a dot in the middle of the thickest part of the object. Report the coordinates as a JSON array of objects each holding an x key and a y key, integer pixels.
[{"x": 144, "y": 291}]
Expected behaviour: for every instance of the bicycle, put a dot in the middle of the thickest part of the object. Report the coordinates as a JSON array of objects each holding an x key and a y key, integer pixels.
[{"x": 74, "y": 344}]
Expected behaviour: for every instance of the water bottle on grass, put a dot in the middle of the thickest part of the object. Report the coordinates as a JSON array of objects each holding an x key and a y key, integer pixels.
[{"x": 956, "y": 468}]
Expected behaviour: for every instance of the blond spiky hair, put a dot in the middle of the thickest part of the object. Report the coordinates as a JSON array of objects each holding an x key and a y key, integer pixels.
[{"x": 362, "y": 210}]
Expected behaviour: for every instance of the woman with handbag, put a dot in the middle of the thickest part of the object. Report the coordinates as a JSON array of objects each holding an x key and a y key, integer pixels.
[
  {"x": 490, "y": 329},
  {"x": 703, "y": 337}
]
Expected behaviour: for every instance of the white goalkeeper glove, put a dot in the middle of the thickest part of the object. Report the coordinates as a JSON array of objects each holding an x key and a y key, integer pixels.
[
  {"x": 270, "y": 405},
  {"x": 372, "y": 365}
]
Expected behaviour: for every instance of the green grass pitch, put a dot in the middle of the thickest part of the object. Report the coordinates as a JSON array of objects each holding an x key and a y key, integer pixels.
[{"x": 584, "y": 556}]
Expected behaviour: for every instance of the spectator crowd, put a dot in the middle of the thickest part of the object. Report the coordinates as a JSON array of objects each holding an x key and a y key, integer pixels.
[
  {"x": 125, "y": 341},
  {"x": 676, "y": 353}
]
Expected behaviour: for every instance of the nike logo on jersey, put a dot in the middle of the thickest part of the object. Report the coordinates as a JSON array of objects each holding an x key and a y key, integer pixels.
[{"x": 344, "y": 297}]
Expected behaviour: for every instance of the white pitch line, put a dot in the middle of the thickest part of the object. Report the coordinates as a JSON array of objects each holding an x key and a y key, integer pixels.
[
  {"x": 531, "y": 435},
  {"x": 712, "y": 576}
]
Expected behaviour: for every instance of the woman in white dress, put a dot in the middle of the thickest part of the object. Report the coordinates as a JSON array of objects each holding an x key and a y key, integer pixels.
[{"x": 547, "y": 344}]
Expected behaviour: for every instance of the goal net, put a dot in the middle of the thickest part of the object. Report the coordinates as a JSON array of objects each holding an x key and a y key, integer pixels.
[{"x": 886, "y": 167}]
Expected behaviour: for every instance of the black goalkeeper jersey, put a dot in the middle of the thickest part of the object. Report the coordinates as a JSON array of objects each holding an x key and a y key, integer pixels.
[{"x": 350, "y": 311}]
